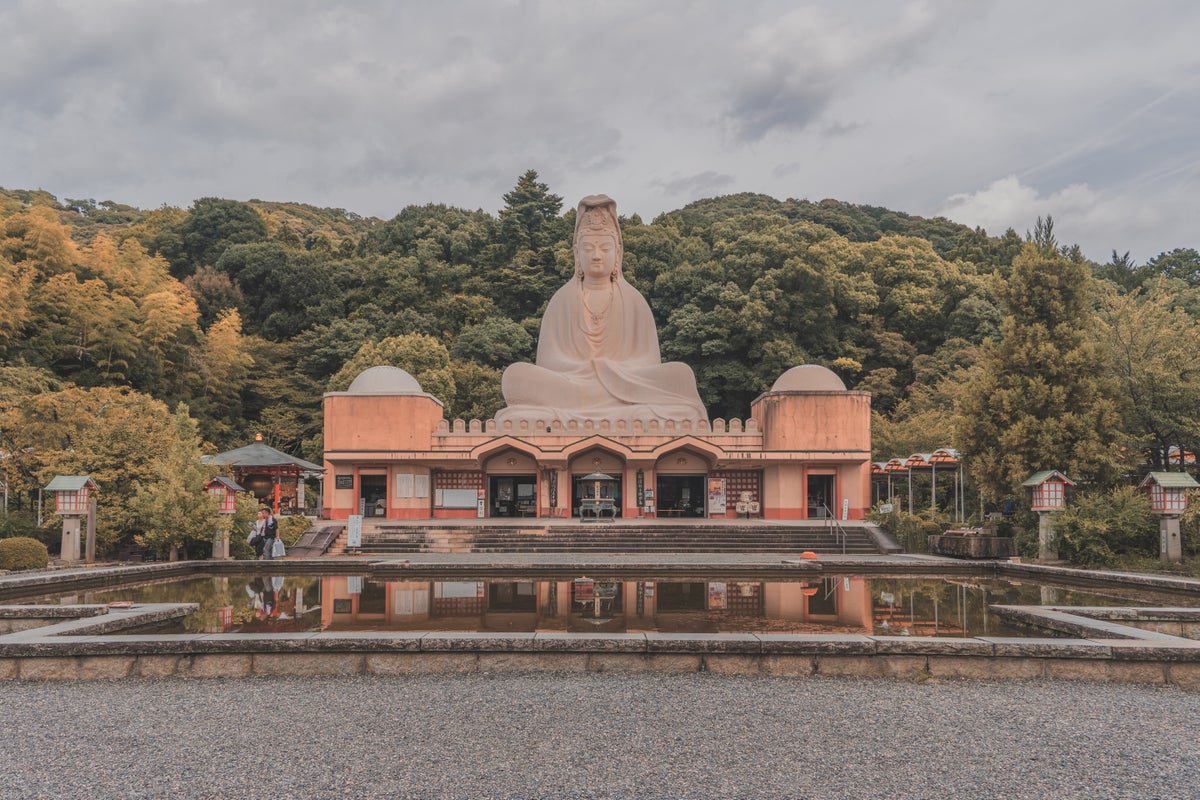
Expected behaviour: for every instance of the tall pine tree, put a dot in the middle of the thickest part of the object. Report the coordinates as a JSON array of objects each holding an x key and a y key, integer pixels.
[{"x": 1040, "y": 397}]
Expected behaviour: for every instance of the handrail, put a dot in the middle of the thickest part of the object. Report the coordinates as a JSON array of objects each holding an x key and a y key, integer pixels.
[{"x": 833, "y": 524}]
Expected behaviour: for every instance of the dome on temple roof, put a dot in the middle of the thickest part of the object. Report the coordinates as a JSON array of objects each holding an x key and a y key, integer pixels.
[
  {"x": 385, "y": 380},
  {"x": 809, "y": 378}
]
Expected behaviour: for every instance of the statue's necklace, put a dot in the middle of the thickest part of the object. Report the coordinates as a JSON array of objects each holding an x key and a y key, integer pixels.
[{"x": 595, "y": 317}]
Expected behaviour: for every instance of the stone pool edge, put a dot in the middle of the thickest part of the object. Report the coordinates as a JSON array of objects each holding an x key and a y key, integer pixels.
[
  {"x": 1107, "y": 654},
  {"x": 70, "y": 651}
]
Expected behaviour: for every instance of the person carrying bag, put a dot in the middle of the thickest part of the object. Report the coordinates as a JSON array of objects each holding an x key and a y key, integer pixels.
[{"x": 269, "y": 529}]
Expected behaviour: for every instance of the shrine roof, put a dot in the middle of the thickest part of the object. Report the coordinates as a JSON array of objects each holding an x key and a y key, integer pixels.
[{"x": 260, "y": 455}]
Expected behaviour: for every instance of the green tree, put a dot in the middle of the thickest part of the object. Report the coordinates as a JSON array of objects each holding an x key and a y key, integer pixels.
[
  {"x": 1040, "y": 397},
  {"x": 172, "y": 508},
  {"x": 212, "y": 226},
  {"x": 477, "y": 392},
  {"x": 113, "y": 435},
  {"x": 423, "y": 357},
  {"x": 525, "y": 260},
  {"x": 1152, "y": 348},
  {"x": 494, "y": 342},
  {"x": 214, "y": 292},
  {"x": 224, "y": 367},
  {"x": 1182, "y": 263},
  {"x": 528, "y": 219},
  {"x": 280, "y": 286},
  {"x": 1099, "y": 527},
  {"x": 1122, "y": 271}
]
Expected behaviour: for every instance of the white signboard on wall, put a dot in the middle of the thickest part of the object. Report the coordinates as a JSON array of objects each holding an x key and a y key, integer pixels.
[{"x": 716, "y": 496}]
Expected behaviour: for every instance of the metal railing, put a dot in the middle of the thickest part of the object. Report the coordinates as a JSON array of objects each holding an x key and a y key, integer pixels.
[{"x": 834, "y": 526}]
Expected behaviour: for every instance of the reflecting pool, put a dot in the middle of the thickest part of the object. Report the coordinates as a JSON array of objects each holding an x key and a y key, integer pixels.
[{"x": 842, "y": 604}]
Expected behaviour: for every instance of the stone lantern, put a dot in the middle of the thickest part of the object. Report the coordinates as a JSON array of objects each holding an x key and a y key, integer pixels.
[
  {"x": 1168, "y": 498},
  {"x": 225, "y": 491},
  {"x": 1049, "y": 495},
  {"x": 73, "y": 500}
]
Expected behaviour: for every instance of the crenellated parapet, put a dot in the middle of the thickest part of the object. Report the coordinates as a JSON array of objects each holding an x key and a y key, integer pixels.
[{"x": 617, "y": 427}]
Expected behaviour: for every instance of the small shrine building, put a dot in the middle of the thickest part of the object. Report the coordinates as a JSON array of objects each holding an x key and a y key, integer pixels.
[{"x": 275, "y": 478}]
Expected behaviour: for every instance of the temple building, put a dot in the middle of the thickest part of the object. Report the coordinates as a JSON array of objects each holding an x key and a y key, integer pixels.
[
  {"x": 598, "y": 423},
  {"x": 803, "y": 453}
]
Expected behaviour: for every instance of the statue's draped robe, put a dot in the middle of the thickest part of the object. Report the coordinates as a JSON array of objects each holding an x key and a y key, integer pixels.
[{"x": 609, "y": 370}]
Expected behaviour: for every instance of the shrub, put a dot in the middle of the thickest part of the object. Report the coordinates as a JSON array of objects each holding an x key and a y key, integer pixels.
[
  {"x": 292, "y": 528},
  {"x": 21, "y": 552},
  {"x": 1099, "y": 527},
  {"x": 911, "y": 530},
  {"x": 22, "y": 523}
]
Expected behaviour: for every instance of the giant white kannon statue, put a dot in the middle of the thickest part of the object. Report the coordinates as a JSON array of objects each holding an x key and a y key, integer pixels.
[{"x": 598, "y": 356}]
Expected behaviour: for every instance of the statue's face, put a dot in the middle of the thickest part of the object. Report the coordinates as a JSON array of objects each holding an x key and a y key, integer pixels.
[{"x": 597, "y": 254}]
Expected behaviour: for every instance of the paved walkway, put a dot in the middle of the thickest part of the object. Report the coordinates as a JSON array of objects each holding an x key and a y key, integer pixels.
[{"x": 573, "y": 736}]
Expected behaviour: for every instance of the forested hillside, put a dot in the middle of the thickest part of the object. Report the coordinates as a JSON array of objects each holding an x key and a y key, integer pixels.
[{"x": 246, "y": 312}]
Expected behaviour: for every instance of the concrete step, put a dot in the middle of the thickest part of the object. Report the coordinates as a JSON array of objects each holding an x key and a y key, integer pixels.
[{"x": 592, "y": 539}]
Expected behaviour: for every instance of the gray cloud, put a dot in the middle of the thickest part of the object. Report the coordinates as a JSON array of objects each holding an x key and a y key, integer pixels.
[
  {"x": 924, "y": 107},
  {"x": 699, "y": 185}
]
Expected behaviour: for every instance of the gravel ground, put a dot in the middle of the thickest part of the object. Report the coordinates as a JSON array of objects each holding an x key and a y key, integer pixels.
[{"x": 595, "y": 735}]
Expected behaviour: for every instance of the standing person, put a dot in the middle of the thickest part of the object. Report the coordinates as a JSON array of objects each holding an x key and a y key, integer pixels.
[
  {"x": 255, "y": 539},
  {"x": 269, "y": 528}
]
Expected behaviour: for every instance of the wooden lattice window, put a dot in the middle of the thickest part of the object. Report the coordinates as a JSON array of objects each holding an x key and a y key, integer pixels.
[
  {"x": 459, "y": 479},
  {"x": 68, "y": 502},
  {"x": 738, "y": 481},
  {"x": 1049, "y": 495},
  {"x": 1169, "y": 500}
]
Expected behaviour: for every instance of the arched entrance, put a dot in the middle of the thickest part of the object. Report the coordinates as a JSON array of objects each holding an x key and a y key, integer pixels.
[
  {"x": 597, "y": 459},
  {"x": 512, "y": 485},
  {"x": 680, "y": 489}
]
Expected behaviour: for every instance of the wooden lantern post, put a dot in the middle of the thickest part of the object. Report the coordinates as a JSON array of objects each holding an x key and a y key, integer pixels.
[
  {"x": 1168, "y": 499},
  {"x": 1049, "y": 495},
  {"x": 225, "y": 491},
  {"x": 72, "y": 501}
]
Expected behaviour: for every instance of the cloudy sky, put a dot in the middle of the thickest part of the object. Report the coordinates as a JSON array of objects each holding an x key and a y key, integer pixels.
[{"x": 990, "y": 113}]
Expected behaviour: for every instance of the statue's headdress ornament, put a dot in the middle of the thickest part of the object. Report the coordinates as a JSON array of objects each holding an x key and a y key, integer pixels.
[{"x": 597, "y": 213}]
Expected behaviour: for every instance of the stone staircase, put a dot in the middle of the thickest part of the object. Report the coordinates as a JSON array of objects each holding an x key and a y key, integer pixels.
[{"x": 607, "y": 538}]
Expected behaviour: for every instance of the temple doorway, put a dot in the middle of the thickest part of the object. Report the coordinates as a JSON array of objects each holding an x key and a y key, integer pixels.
[
  {"x": 820, "y": 496},
  {"x": 580, "y": 488},
  {"x": 372, "y": 495},
  {"x": 513, "y": 495},
  {"x": 680, "y": 495},
  {"x": 514, "y": 596},
  {"x": 682, "y": 596}
]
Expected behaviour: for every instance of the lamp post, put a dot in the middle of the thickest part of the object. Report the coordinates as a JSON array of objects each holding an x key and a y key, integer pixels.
[
  {"x": 225, "y": 491},
  {"x": 72, "y": 494},
  {"x": 1049, "y": 495},
  {"x": 1168, "y": 499}
]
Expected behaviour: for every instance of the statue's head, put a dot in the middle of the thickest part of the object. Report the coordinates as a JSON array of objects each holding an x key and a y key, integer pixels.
[{"x": 596, "y": 226}]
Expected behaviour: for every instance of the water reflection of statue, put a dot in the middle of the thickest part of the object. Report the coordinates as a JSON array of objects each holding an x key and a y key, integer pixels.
[{"x": 598, "y": 355}]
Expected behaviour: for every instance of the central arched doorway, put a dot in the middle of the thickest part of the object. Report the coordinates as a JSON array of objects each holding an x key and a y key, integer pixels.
[
  {"x": 680, "y": 489},
  {"x": 597, "y": 459},
  {"x": 512, "y": 485}
]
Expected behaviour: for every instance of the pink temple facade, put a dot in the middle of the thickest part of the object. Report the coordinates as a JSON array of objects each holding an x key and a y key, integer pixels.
[{"x": 803, "y": 453}]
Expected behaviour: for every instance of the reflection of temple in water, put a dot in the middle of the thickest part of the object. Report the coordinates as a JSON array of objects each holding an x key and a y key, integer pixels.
[{"x": 841, "y": 604}]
